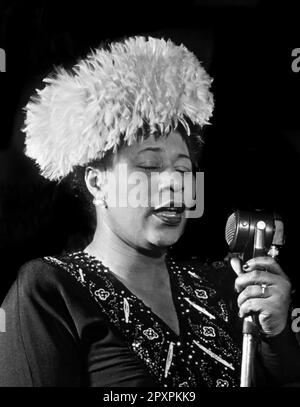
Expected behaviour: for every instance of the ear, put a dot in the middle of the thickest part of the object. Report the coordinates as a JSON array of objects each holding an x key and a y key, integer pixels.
[{"x": 95, "y": 180}]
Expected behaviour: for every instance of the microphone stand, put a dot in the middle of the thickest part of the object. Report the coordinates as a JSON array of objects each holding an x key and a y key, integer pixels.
[
  {"x": 250, "y": 330},
  {"x": 248, "y": 351}
]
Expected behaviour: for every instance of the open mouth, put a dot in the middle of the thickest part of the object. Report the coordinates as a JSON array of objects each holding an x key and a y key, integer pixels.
[{"x": 169, "y": 214}]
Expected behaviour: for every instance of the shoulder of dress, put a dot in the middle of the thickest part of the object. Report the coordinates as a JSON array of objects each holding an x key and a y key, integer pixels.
[
  {"x": 63, "y": 259},
  {"x": 78, "y": 265},
  {"x": 41, "y": 271}
]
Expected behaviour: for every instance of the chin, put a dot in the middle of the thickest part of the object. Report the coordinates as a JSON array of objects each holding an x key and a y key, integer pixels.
[{"x": 164, "y": 239}]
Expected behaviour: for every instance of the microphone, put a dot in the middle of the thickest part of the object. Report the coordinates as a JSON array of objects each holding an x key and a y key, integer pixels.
[{"x": 253, "y": 234}]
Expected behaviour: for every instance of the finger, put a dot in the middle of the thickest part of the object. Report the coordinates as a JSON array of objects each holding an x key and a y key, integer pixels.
[
  {"x": 251, "y": 306},
  {"x": 236, "y": 264},
  {"x": 264, "y": 262},
  {"x": 255, "y": 277},
  {"x": 253, "y": 291}
]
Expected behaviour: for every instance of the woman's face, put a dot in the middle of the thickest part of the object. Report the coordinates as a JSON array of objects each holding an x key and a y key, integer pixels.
[{"x": 140, "y": 191}]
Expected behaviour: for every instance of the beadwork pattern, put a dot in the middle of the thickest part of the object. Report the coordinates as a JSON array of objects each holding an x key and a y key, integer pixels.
[{"x": 204, "y": 354}]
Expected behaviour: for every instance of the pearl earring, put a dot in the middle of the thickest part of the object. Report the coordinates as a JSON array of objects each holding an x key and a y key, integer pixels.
[
  {"x": 101, "y": 202},
  {"x": 96, "y": 202}
]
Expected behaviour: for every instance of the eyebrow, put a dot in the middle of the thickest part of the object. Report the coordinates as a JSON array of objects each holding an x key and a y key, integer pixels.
[{"x": 158, "y": 149}]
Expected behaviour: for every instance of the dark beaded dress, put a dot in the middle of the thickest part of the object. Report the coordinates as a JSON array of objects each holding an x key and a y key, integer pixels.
[{"x": 71, "y": 322}]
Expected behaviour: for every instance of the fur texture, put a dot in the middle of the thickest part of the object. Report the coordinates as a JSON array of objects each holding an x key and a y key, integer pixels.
[{"x": 80, "y": 115}]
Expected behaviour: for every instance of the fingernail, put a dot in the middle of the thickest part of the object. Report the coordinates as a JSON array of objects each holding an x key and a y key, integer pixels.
[{"x": 246, "y": 266}]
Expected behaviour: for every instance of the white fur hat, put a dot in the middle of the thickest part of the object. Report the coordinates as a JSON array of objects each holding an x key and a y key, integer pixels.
[{"x": 108, "y": 96}]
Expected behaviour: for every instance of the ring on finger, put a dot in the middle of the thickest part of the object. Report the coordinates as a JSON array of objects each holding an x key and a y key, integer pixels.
[{"x": 263, "y": 289}]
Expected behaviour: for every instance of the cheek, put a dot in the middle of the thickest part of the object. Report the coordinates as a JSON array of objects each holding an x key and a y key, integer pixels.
[
  {"x": 130, "y": 191},
  {"x": 139, "y": 194}
]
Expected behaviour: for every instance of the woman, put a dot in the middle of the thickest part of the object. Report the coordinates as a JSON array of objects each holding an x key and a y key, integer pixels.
[{"x": 120, "y": 312}]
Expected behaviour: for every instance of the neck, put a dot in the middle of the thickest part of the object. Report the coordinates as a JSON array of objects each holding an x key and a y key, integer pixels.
[{"x": 125, "y": 261}]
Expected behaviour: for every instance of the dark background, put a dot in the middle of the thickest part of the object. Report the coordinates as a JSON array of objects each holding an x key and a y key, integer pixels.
[{"x": 251, "y": 153}]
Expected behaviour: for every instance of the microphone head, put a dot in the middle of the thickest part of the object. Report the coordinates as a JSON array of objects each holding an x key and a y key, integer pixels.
[
  {"x": 230, "y": 230},
  {"x": 241, "y": 230}
]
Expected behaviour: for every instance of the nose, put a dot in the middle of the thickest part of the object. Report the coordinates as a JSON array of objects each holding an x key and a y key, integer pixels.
[{"x": 170, "y": 179}]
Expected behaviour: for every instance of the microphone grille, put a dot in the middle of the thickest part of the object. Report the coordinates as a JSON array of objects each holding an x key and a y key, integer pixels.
[{"x": 230, "y": 228}]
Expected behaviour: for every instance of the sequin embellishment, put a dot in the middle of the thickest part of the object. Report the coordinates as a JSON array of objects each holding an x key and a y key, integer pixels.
[
  {"x": 150, "y": 333},
  {"x": 169, "y": 358},
  {"x": 201, "y": 309},
  {"x": 201, "y": 294},
  {"x": 222, "y": 383},
  {"x": 126, "y": 310},
  {"x": 209, "y": 331},
  {"x": 102, "y": 294},
  {"x": 213, "y": 355}
]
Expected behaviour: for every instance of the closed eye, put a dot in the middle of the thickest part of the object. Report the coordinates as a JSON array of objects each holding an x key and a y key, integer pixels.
[
  {"x": 183, "y": 170},
  {"x": 157, "y": 168},
  {"x": 149, "y": 167}
]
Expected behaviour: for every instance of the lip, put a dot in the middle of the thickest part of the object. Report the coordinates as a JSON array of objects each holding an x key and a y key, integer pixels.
[
  {"x": 169, "y": 218},
  {"x": 171, "y": 204}
]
